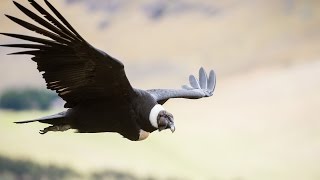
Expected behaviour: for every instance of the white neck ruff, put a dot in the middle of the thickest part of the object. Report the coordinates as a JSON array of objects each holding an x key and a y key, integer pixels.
[{"x": 154, "y": 115}]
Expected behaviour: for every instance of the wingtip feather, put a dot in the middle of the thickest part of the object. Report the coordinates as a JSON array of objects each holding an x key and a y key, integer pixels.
[
  {"x": 194, "y": 82},
  {"x": 203, "y": 78},
  {"x": 17, "y": 4},
  {"x": 212, "y": 80},
  {"x": 7, "y": 15}
]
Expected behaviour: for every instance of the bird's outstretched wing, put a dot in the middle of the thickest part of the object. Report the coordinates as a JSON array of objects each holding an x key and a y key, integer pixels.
[
  {"x": 72, "y": 67},
  {"x": 203, "y": 87}
]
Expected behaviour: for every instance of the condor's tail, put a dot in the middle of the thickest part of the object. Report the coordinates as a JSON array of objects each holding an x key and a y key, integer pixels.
[{"x": 56, "y": 119}]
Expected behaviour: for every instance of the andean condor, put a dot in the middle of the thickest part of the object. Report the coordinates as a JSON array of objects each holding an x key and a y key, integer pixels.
[{"x": 94, "y": 84}]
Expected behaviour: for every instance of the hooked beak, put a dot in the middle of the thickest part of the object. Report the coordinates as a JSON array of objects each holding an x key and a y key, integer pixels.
[
  {"x": 172, "y": 127},
  {"x": 169, "y": 126}
]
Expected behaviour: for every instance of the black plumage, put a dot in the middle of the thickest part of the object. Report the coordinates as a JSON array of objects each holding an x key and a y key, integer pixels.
[{"x": 94, "y": 85}]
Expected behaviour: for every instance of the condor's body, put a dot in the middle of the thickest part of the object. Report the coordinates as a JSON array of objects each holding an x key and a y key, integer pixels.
[{"x": 127, "y": 116}]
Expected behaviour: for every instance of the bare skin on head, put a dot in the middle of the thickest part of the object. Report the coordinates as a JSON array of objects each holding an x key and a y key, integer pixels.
[{"x": 165, "y": 121}]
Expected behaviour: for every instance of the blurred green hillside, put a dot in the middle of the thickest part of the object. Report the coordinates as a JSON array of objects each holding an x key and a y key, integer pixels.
[
  {"x": 27, "y": 99},
  {"x": 11, "y": 169}
]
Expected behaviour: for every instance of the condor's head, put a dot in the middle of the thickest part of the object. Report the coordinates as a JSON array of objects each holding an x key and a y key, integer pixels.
[{"x": 161, "y": 119}]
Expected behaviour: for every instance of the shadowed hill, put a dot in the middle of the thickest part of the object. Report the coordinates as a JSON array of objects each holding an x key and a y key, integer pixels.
[
  {"x": 24, "y": 169},
  {"x": 29, "y": 170}
]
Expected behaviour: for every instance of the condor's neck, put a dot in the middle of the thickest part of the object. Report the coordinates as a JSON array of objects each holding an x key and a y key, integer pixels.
[{"x": 143, "y": 103}]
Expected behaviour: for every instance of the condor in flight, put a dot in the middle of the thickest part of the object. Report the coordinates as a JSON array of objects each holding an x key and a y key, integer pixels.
[{"x": 94, "y": 85}]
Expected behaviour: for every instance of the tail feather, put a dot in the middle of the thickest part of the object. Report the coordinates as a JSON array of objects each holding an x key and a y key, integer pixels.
[
  {"x": 23, "y": 122},
  {"x": 56, "y": 119}
]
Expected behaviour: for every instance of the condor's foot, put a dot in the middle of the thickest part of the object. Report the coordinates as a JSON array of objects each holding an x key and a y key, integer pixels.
[{"x": 55, "y": 128}]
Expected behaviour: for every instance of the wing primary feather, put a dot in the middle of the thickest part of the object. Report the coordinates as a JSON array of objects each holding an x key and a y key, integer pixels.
[
  {"x": 203, "y": 78},
  {"x": 194, "y": 82},
  {"x": 31, "y": 46},
  {"x": 38, "y": 30},
  {"x": 211, "y": 80},
  {"x": 34, "y": 39},
  {"x": 41, "y": 21},
  {"x": 50, "y": 18},
  {"x": 34, "y": 52},
  {"x": 64, "y": 21}
]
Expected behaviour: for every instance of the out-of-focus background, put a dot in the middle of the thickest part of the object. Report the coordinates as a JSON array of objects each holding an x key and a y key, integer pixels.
[{"x": 262, "y": 122}]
